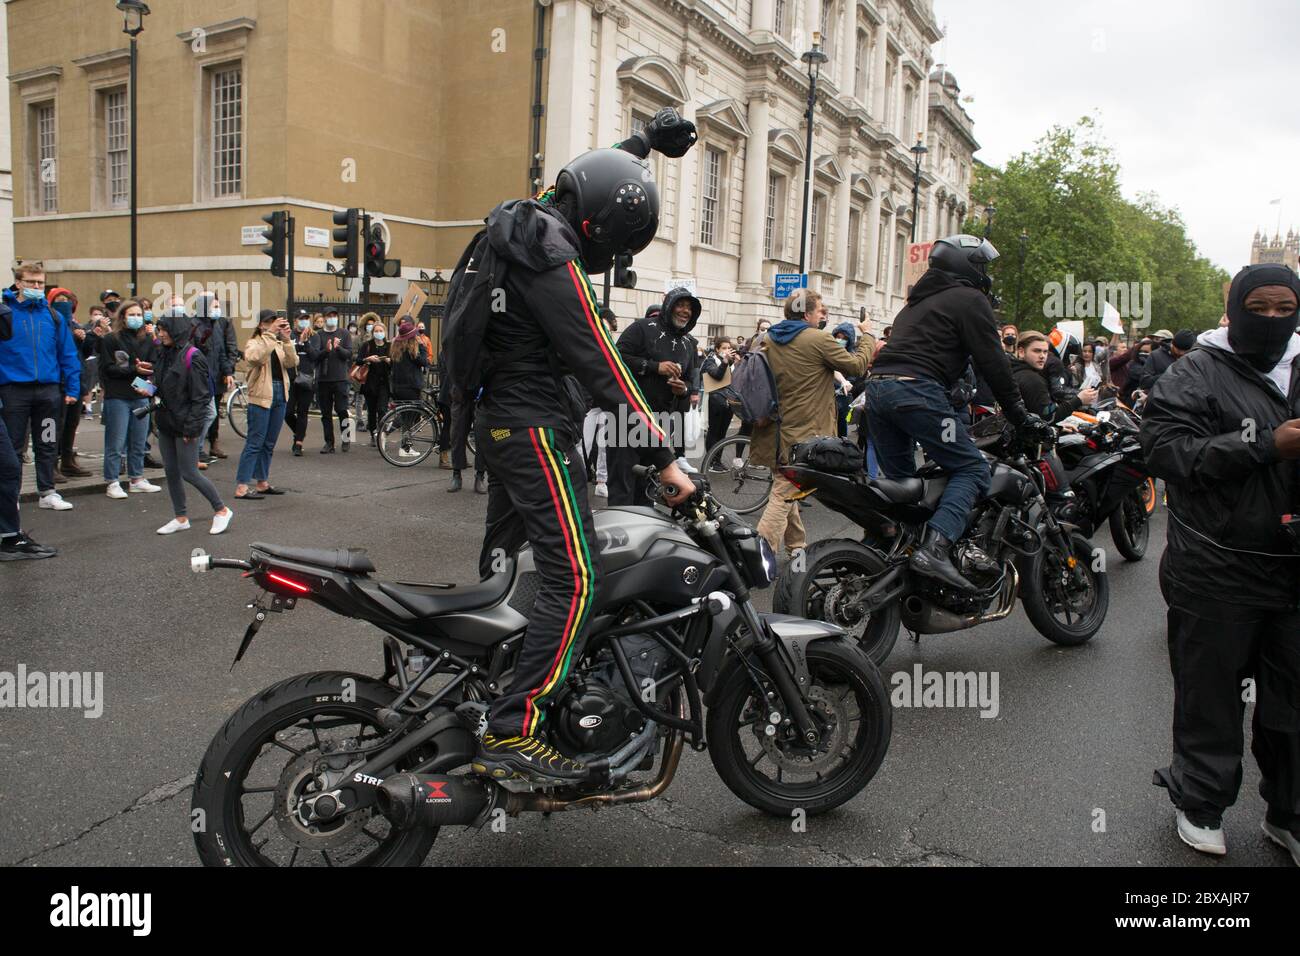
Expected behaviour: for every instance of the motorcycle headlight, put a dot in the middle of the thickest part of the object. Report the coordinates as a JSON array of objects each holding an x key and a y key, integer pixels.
[{"x": 756, "y": 558}]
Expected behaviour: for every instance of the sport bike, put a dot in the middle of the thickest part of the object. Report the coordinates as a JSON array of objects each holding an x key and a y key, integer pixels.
[
  {"x": 1014, "y": 547},
  {"x": 339, "y": 768}
]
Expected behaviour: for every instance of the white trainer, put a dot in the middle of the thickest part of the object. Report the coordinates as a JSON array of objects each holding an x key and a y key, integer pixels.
[
  {"x": 115, "y": 491},
  {"x": 220, "y": 522},
  {"x": 54, "y": 502},
  {"x": 1283, "y": 838},
  {"x": 171, "y": 527},
  {"x": 1202, "y": 839},
  {"x": 143, "y": 486},
  {"x": 602, "y": 490}
]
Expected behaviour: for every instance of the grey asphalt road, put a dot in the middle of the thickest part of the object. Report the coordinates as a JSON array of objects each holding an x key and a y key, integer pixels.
[{"x": 1060, "y": 776}]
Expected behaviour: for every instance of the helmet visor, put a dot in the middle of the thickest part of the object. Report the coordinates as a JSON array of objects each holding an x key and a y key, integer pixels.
[{"x": 986, "y": 253}]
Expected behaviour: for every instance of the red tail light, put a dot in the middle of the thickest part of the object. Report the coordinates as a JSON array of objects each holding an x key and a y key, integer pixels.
[
  {"x": 792, "y": 475},
  {"x": 300, "y": 588},
  {"x": 1049, "y": 476}
]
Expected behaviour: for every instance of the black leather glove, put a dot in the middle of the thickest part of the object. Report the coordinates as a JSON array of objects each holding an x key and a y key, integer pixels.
[
  {"x": 1038, "y": 429},
  {"x": 1016, "y": 414},
  {"x": 670, "y": 134}
]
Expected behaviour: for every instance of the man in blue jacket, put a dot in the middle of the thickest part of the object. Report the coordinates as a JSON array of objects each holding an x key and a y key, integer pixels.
[{"x": 40, "y": 373}]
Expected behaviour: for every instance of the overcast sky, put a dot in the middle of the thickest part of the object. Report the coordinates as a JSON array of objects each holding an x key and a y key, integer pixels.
[{"x": 1199, "y": 98}]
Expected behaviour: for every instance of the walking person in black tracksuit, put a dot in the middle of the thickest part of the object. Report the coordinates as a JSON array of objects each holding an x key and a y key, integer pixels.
[
  {"x": 331, "y": 354},
  {"x": 660, "y": 353},
  {"x": 304, "y": 382},
  {"x": 604, "y": 203},
  {"x": 1222, "y": 427}
]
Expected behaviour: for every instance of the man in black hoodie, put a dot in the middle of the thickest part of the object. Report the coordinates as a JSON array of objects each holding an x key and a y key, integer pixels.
[
  {"x": 1222, "y": 427},
  {"x": 660, "y": 352},
  {"x": 330, "y": 351},
  {"x": 947, "y": 322},
  {"x": 604, "y": 203}
]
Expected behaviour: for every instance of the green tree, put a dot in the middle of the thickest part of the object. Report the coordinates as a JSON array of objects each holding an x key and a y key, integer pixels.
[{"x": 1064, "y": 198}]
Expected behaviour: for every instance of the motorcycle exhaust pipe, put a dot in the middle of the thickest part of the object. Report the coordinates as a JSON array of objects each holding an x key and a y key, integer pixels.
[{"x": 435, "y": 800}]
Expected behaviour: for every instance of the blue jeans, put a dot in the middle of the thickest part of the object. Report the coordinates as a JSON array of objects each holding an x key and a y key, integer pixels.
[
  {"x": 124, "y": 434},
  {"x": 263, "y": 432},
  {"x": 872, "y": 464},
  {"x": 902, "y": 414}
]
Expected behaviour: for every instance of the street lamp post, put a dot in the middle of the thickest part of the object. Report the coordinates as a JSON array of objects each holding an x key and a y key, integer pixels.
[
  {"x": 989, "y": 212},
  {"x": 918, "y": 151},
  {"x": 133, "y": 14},
  {"x": 1020, "y": 276},
  {"x": 814, "y": 58}
]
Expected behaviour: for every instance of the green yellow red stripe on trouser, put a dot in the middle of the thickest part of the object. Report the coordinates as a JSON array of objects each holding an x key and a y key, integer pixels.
[{"x": 539, "y": 486}]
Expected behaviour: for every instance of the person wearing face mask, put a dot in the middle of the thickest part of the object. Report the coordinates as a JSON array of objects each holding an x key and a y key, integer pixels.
[
  {"x": 303, "y": 390},
  {"x": 374, "y": 356},
  {"x": 64, "y": 303},
  {"x": 718, "y": 366},
  {"x": 215, "y": 336},
  {"x": 659, "y": 351},
  {"x": 331, "y": 353},
  {"x": 184, "y": 396},
  {"x": 1222, "y": 427},
  {"x": 40, "y": 374},
  {"x": 127, "y": 353}
]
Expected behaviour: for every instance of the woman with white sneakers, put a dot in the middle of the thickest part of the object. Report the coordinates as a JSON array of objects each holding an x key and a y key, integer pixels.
[
  {"x": 125, "y": 355},
  {"x": 184, "y": 395}
]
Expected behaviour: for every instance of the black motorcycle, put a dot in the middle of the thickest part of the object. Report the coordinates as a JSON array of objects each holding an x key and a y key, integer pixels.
[
  {"x": 1103, "y": 479},
  {"x": 1014, "y": 547},
  {"x": 337, "y": 768}
]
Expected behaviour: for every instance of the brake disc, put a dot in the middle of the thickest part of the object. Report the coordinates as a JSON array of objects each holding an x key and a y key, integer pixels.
[
  {"x": 834, "y": 718},
  {"x": 840, "y": 605},
  {"x": 293, "y": 803}
]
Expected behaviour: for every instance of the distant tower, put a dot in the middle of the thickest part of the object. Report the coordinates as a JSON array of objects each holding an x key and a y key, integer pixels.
[{"x": 1285, "y": 251}]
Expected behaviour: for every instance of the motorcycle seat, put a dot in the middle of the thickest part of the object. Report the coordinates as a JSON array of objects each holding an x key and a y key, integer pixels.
[
  {"x": 353, "y": 560},
  {"x": 425, "y": 601},
  {"x": 903, "y": 491}
]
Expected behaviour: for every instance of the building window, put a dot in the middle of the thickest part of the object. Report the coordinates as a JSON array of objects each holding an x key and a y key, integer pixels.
[
  {"x": 861, "y": 68},
  {"x": 816, "y": 234},
  {"x": 889, "y": 95},
  {"x": 711, "y": 197},
  {"x": 855, "y": 227},
  {"x": 116, "y": 148},
  {"x": 46, "y": 166},
  {"x": 779, "y": 18},
  {"x": 900, "y": 249},
  {"x": 715, "y": 332},
  {"x": 882, "y": 253},
  {"x": 227, "y": 131},
  {"x": 828, "y": 27},
  {"x": 909, "y": 101},
  {"x": 774, "y": 221}
]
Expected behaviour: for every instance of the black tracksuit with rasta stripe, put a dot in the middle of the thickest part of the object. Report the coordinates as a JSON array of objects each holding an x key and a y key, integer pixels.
[{"x": 537, "y": 489}]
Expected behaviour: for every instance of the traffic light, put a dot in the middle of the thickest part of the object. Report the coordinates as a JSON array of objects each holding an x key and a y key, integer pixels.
[
  {"x": 378, "y": 265},
  {"x": 624, "y": 277},
  {"x": 349, "y": 237},
  {"x": 277, "y": 236}
]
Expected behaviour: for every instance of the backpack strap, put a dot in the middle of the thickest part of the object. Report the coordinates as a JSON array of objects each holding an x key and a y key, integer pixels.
[{"x": 189, "y": 357}]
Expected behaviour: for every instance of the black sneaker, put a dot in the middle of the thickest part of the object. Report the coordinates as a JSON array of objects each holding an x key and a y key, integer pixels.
[
  {"x": 327, "y": 450},
  {"x": 346, "y": 446},
  {"x": 297, "y": 451},
  {"x": 20, "y": 547},
  {"x": 505, "y": 757}
]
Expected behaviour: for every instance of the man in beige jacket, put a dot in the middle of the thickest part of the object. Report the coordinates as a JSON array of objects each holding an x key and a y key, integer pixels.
[{"x": 804, "y": 359}]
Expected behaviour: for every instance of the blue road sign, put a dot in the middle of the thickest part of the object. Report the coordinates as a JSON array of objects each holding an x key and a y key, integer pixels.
[{"x": 786, "y": 283}]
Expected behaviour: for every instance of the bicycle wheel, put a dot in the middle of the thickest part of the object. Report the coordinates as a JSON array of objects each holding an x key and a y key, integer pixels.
[
  {"x": 237, "y": 410},
  {"x": 736, "y": 482},
  {"x": 407, "y": 435}
]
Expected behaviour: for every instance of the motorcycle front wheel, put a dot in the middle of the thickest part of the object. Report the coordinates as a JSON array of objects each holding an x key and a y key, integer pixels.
[
  {"x": 258, "y": 770},
  {"x": 1065, "y": 596},
  {"x": 1129, "y": 527},
  {"x": 779, "y": 774}
]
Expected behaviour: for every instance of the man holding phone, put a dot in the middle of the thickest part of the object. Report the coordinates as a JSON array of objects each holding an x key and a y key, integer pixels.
[{"x": 331, "y": 354}]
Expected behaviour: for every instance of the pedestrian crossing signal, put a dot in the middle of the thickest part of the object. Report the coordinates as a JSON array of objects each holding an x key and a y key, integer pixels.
[{"x": 278, "y": 237}]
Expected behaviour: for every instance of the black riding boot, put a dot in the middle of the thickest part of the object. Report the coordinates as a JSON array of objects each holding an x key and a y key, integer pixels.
[{"x": 933, "y": 559}]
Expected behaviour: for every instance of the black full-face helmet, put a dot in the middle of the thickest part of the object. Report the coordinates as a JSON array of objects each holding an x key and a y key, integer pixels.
[
  {"x": 965, "y": 258},
  {"x": 610, "y": 197}
]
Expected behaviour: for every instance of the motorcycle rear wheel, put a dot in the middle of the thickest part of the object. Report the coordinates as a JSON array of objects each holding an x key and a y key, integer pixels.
[
  {"x": 849, "y": 701},
  {"x": 812, "y": 593},
  {"x": 1129, "y": 527},
  {"x": 234, "y": 826}
]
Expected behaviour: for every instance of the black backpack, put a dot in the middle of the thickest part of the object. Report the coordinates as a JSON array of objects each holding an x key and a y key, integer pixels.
[{"x": 478, "y": 274}]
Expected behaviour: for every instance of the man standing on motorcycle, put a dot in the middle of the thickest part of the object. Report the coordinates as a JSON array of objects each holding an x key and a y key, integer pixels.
[
  {"x": 1222, "y": 427},
  {"x": 604, "y": 203},
  {"x": 948, "y": 321}
]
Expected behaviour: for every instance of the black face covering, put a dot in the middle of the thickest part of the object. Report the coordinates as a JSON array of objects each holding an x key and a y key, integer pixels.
[{"x": 1259, "y": 340}]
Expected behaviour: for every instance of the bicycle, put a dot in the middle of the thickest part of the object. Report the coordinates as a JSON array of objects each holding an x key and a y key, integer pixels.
[
  {"x": 410, "y": 430},
  {"x": 740, "y": 485},
  {"x": 237, "y": 409}
]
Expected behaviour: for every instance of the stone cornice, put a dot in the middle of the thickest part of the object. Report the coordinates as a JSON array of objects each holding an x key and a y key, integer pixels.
[
  {"x": 237, "y": 25},
  {"x": 37, "y": 73},
  {"x": 103, "y": 59}
]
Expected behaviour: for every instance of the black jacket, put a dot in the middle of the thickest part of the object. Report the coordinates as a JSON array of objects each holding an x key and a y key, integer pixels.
[
  {"x": 306, "y": 370},
  {"x": 1060, "y": 382},
  {"x": 647, "y": 342},
  {"x": 377, "y": 377},
  {"x": 406, "y": 376},
  {"x": 1159, "y": 362},
  {"x": 1036, "y": 392},
  {"x": 944, "y": 325},
  {"x": 332, "y": 364},
  {"x": 216, "y": 337},
  {"x": 1225, "y": 481},
  {"x": 184, "y": 392},
  {"x": 116, "y": 378},
  {"x": 552, "y": 319}
]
